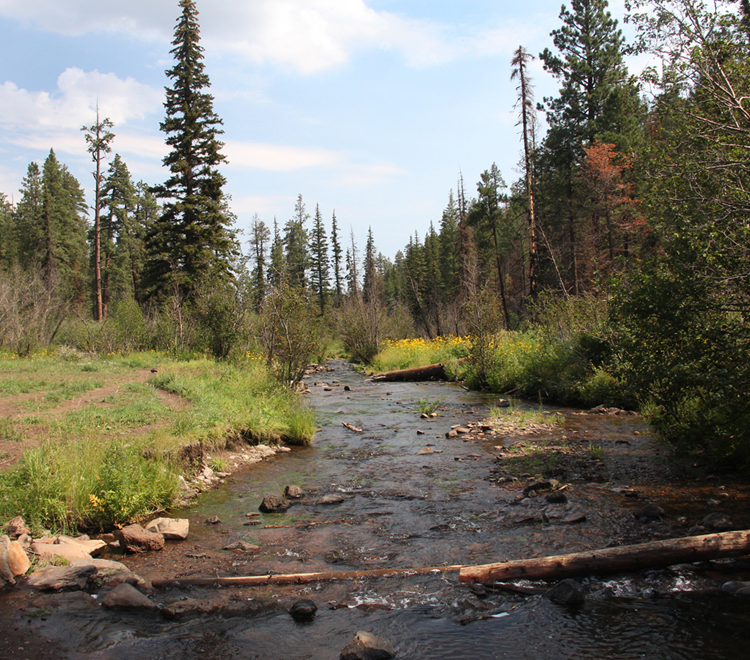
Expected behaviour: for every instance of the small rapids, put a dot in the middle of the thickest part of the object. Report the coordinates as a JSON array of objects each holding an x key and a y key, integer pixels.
[{"x": 406, "y": 509}]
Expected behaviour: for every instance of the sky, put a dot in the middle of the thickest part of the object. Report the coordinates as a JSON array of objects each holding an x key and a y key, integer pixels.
[{"x": 369, "y": 108}]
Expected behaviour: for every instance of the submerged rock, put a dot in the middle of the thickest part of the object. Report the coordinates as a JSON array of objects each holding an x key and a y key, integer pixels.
[
  {"x": 242, "y": 546},
  {"x": 649, "y": 513},
  {"x": 568, "y": 592},
  {"x": 273, "y": 504},
  {"x": 717, "y": 522},
  {"x": 303, "y": 610},
  {"x": 332, "y": 498},
  {"x": 366, "y": 646},
  {"x": 126, "y": 597},
  {"x": 294, "y": 492}
]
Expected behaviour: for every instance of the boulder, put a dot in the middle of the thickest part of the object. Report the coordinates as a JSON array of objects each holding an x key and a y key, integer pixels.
[
  {"x": 92, "y": 548},
  {"x": 173, "y": 529},
  {"x": 126, "y": 597},
  {"x": 188, "y": 608},
  {"x": 567, "y": 592},
  {"x": 425, "y": 450},
  {"x": 59, "y": 578},
  {"x": 111, "y": 573},
  {"x": 6, "y": 574},
  {"x": 68, "y": 551},
  {"x": 273, "y": 504},
  {"x": 18, "y": 561},
  {"x": 303, "y": 610},
  {"x": 135, "y": 538},
  {"x": 294, "y": 492},
  {"x": 366, "y": 646},
  {"x": 17, "y": 527}
]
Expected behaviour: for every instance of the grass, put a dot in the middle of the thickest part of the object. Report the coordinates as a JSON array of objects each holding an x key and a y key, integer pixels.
[
  {"x": 429, "y": 407},
  {"x": 99, "y": 466}
]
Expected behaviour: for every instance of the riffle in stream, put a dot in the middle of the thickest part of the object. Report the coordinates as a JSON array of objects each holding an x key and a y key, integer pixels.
[{"x": 403, "y": 509}]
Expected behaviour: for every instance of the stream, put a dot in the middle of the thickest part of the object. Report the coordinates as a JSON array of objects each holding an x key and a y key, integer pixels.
[{"x": 405, "y": 509}]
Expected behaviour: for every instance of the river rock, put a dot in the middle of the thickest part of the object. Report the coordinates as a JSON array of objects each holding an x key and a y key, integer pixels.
[
  {"x": 111, "y": 573},
  {"x": 135, "y": 538},
  {"x": 242, "y": 546},
  {"x": 93, "y": 547},
  {"x": 451, "y": 434},
  {"x": 556, "y": 497},
  {"x": 126, "y": 597},
  {"x": 303, "y": 610},
  {"x": 17, "y": 527},
  {"x": 425, "y": 450},
  {"x": 733, "y": 587},
  {"x": 537, "y": 486},
  {"x": 567, "y": 592},
  {"x": 61, "y": 578},
  {"x": 649, "y": 513},
  {"x": 173, "y": 529},
  {"x": 189, "y": 607},
  {"x": 6, "y": 574},
  {"x": 366, "y": 646},
  {"x": 273, "y": 504},
  {"x": 717, "y": 522},
  {"x": 331, "y": 498},
  {"x": 18, "y": 560},
  {"x": 294, "y": 492},
  {"x": 67, "y": 551}
]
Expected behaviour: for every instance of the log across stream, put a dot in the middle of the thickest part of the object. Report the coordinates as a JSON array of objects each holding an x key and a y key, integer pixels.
[{"x": 656, "y": 554}]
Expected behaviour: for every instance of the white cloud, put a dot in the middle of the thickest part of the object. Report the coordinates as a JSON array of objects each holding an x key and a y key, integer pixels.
[
  {"x": 261, "y": 203},
  {"x": 306, "y": 35},
  {"x": 278, "y": 158},
  {"x": 75, "y": 101}
]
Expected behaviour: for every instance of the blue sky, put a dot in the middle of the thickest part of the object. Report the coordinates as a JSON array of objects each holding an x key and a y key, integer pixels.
[{"x": 370, "y": 108}]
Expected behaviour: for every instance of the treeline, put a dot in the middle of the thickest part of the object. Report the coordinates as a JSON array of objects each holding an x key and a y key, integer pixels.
[{"x": 634, "y": 203}]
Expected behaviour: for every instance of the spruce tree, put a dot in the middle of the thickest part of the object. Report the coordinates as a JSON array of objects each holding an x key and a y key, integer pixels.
[
  {"x": 336, "y": 253},
  {"x": 259, "y": 238},
  {"x": 320, "y": 263},
  {"x": 192, "y": 240},
  {"x": 296, "y": 245}
]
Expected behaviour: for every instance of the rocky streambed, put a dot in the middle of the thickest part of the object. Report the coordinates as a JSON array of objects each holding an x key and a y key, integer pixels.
[{"x": 405, "y": 475}]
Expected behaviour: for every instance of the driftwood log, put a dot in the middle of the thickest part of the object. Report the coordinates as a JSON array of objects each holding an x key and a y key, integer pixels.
[
  {"x": 656, "y": 554},
  {"x": 622, "y": 559},
  {"x": 430, "y": 372}
]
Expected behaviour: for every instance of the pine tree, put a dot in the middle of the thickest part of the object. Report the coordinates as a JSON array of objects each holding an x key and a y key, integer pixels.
[
  {"x": 192, "y": 240},
  {"x": 370, "y": 273},
  {"x": 29, "y": 220},
  {"x": 277, "y": 272},
  {"x": 259, "y": 238},
  {"x": 98, "y": 137},
  {"x": 336, "y": 252},
  {"x": 8, "y": 236},
  {"x": 118, "y": 198},
  {"x": 319, "y": 262},
  {"x": 146, "y": 212},
  {"x": 296, "y": 250}
]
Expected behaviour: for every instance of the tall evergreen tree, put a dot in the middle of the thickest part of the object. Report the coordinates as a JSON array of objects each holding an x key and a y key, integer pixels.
[
  {"x": 296, "y": 248},
  {"x": 319, "y": 262},
  {"x": 370, "y": 273},
  {"x": 29, "y": 220},
  {"x": 277, "y": 272},
  {"x": 336, "y": 254},
  {"x": 98, "y": 137},
  {"x": 259, "y": 238},
  {"x": 8, "y": 236},
  {"x": 193, "y": 239},
  {"x": 596, "y": 100},
  {"x": 118, "y": 242}
]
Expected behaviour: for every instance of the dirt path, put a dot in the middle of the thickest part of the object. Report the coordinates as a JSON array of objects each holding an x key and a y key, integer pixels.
[{"x": 25, "y": 425}]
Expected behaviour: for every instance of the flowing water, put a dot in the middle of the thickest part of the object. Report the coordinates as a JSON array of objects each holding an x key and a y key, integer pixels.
[{"x": 403, "y": 509}]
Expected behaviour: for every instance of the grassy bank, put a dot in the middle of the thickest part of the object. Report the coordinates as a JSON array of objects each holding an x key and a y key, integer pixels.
[{"x": 102, "y": 441}]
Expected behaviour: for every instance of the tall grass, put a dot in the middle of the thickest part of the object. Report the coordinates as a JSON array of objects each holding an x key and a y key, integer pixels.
[{"x": 100, "y": 466}]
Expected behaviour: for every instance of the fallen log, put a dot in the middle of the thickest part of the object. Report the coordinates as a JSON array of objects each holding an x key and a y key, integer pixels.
[
  {"x": 351, "y": 427},
  {"x": 430, "y": 372},
  {"x": 656, "y": 554},
  {"x": 622, "y": 559},
  {"x": 299, "y": 578}
]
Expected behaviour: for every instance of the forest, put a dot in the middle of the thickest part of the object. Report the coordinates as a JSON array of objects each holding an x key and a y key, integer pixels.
[{"x": 615, "y": 270}]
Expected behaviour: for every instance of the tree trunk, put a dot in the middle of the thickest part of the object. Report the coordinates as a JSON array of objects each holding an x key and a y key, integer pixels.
[
  {"x": 430, "y": 372},
  {"x": 656, "y": 554}
]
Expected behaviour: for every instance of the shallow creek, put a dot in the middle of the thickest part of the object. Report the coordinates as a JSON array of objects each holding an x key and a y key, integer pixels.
[{"x": 402, "y": 509}]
